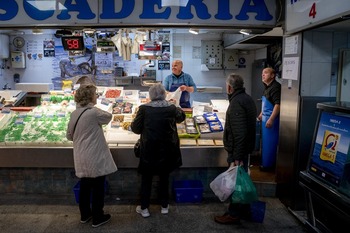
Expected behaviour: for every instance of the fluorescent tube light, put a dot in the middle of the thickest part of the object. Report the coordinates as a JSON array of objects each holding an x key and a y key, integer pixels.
[
  {"x": 194, "y": 31},
  {"x": 245, "y": 32}
]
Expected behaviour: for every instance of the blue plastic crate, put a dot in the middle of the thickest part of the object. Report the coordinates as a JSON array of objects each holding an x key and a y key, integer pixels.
[
  {"x": 186, "y": 191},
  {"x": 76, "y": 190},
  {"x": 258, "y": 211}
]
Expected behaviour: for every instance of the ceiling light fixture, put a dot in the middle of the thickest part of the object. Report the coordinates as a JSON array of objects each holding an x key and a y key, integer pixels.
[
  {"x": 37, "y": 31},
  {"x": 246, "y": 32},
  {"x": 16, "y": 33},
  {"x": 194, "y": 31},
  {"x": 89, "y": 30}
]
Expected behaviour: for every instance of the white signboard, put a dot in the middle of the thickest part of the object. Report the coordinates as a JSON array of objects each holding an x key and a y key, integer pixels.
[
  {"x": 303, "y": 14},
  {"x": 290, "y": 68},
  {"x": 291, "y": 45}
]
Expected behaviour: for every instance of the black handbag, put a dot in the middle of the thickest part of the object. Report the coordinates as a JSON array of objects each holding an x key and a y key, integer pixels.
[{"x": 137, "y": 149}]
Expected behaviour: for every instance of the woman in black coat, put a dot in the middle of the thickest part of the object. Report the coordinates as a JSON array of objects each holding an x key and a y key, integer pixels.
[{"x": 160, "y": 145}]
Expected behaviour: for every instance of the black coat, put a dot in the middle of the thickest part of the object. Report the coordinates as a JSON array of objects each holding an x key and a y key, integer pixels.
[
  {"x": 240, "y": 126},
  {"x": 160, "y": 144}
]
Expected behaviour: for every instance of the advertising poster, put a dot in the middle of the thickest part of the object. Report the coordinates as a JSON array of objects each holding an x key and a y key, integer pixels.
[
  {"x": 163, "y": 65},
  {"x": 49, "y": 48},
  {"x": 331, "y": 148},
  {"x": 164, "y": 62}
]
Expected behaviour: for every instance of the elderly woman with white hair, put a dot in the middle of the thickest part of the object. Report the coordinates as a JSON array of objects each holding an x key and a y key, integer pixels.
[{"x": 160, "y": 146}]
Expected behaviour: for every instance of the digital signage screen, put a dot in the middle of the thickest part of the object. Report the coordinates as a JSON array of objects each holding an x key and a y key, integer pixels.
[{"x": 330, "y": 158}]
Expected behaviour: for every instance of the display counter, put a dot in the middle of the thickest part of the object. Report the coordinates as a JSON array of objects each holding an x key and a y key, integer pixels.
[
  {"x": 62, "y": 157},
  {"x": 37, "y": 137}
]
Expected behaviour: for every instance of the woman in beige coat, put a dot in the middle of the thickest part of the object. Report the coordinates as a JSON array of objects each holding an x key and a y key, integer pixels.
[{"x": 92, "y": 157}]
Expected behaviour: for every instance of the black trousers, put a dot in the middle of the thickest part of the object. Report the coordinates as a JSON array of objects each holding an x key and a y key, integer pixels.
[
  {"x": 96, "y": 188},
  {"x": 146, "y": 189}
]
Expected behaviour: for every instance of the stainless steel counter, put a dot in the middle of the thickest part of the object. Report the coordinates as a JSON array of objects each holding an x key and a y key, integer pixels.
[{"x": 62, "y": 157}]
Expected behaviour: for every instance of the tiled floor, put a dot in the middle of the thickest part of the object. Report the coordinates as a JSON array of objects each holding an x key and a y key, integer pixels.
[{"x": 41, "y": 214}]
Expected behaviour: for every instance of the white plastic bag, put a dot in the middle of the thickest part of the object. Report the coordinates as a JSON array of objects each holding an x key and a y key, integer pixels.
[
  {"x": 175, "y": 96},
  {"x": 224, "y": 184}
]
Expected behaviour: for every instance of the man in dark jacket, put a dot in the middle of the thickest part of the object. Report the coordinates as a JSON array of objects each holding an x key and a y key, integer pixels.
[{"x": 239, "y": 138}]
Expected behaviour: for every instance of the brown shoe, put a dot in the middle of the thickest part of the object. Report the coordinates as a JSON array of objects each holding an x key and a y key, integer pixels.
[{"x": 227, "y": 219}]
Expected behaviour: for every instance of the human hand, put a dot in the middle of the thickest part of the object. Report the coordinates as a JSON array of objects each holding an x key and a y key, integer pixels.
[
  {"x": 173, "y": 101},
  {"x": 269, "y": 123},
  {"x": 238, "y": 163},
  {"x": 183, "y": 87},
  {"x": 259, "y": 117}
]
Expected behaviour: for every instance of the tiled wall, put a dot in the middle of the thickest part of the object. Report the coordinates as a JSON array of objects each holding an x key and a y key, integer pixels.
[{"x": 123, "y": 184}]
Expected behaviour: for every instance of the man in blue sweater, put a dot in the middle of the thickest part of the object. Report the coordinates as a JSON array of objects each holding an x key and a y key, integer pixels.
[{"x": 180, "y": 79}]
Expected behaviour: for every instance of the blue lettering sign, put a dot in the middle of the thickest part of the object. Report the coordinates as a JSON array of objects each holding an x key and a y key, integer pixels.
[
  {"x": 148, "y": 10},
  {"x": 10, "y": 7},
  {"x": 224, "y": 10},
  {"x": 259, "y": 7},
  {"x": 132, "y": 12},
  {"x": 108, "y": 7},
  {"x": 35, "y": 13},
  {"x": 200, "y": 7},
  {"x": 81, "y": 6}
]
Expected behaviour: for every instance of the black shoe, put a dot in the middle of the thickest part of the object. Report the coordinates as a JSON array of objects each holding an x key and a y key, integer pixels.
[
  {"x": 85, "y": 220},
  {"x": 101, "y": 220}
]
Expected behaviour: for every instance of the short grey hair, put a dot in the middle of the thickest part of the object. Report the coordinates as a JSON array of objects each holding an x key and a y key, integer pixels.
[
  {"x": 85, "y": 94},
  {"x": 235, "y": 81},
  {"x": 157, "y": 92}
]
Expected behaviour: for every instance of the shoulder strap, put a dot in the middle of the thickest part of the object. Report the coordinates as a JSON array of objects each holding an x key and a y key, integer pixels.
[{"x": 78, "y": 119}]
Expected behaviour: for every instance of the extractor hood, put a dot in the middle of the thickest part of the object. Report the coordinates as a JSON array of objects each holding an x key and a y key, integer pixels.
[{"x": 254, "y": 41}]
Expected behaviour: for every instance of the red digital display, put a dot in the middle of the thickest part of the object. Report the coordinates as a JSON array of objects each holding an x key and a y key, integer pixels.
[{"x": 71, "y": 43}]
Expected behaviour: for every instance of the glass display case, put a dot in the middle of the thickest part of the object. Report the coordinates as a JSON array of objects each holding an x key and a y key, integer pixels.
[{"x": 37, "y": 137}]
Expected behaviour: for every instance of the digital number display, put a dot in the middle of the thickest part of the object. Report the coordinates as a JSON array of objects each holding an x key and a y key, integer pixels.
[{"x": 71, "y": 43}]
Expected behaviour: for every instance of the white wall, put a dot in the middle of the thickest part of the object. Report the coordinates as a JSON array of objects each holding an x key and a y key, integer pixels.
[{"x": 193, "y": 66}]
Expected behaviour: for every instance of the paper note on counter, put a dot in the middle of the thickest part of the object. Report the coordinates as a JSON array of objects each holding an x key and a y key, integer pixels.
[
  {"x": 219, "y": 142},
  {"x": 188, "y": 142},
  {"x": 205, "y": 142}
]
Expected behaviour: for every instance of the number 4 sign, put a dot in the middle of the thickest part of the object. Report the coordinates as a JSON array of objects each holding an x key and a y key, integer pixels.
[
  {"x": 312, "y": 12},
  {"x": 302, "y": 14}
]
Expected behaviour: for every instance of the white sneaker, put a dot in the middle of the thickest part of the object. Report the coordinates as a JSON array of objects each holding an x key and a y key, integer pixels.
[
  {"x": 144, "y": 213},
  {"x": 164, "y": 210}
]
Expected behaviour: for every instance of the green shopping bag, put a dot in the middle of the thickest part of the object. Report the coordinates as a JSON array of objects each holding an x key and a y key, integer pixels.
[{"x": 245, "y": 191}]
